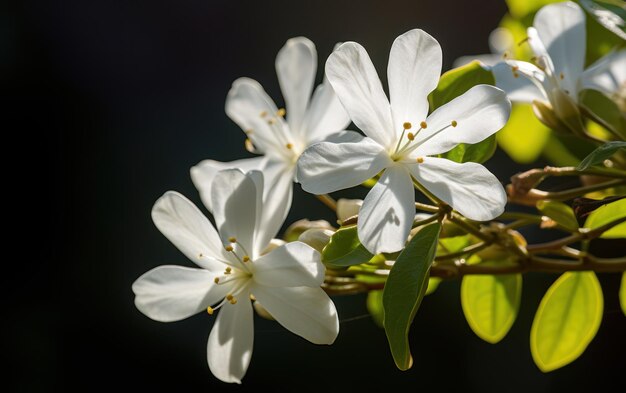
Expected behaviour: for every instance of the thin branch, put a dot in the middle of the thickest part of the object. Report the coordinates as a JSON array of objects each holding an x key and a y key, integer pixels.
[{"x": 328, "y": 201}]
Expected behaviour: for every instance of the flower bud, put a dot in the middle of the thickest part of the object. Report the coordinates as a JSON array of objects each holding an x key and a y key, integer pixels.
[
  {"x": 567, "y": 110},
  {"x": 297, "y": 228},
  {"x": 316, "y": 238},
  {"x": 547, "y": 116},
  {"x": 347, "y": 208}
]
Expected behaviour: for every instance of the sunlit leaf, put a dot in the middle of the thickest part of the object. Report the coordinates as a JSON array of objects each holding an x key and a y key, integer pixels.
[
  {"x": 567, "y": 320},
  {"x": 622, "y": 293},
  {"x": 374, "y": 305},
  {"x": 604, "y": 110},
  {"x": 433, "y": 284},
  {"x": 524, "y": 137},
  {"x": 345, "y": 249},
  {"x": 559, "y": 212},
  {"x": 404, "y": 291},
  {"x": 521, "y": 8},
  {"x": 604, "y": 215},
  {"x": 600, "y": 154},
  {"x": 490, "y": 304}
]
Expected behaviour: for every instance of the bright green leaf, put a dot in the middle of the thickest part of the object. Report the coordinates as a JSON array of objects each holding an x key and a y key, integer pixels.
[
  {"x": 374, "y": 305},
  {"x": 521, "y": 8},
  {"x": 622, "y": 293},
  {"x": 404, "y": 291},
  {"x": 477, "y": 152},
  {"x": 559, "y": 212},
  {"x": 604, "y": 215},
  {"x": 600, "y": 154},
  {"x": 490, "y": 304},
  {"x": 345, "y": 249},
  {"x": 524, "y": 137},
  {"x": 605, "y": 111},
  {"x": 433, "y": 284},
  {"x": 567, "y": 320}
]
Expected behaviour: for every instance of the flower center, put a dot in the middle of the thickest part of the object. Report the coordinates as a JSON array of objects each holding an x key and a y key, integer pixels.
[
  {"x": 278, "y": 140},
  {"x": 402, "y": 150}
]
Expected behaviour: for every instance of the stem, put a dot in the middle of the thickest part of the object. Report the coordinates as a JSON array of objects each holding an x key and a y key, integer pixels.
[
  {"x": 534, "y": 195},
  {"x": 460, "y": 222},
  {"x": 588, "y": 235},
  {"x": 328, "y": 201},
  {"x": 426, "y": 208}
]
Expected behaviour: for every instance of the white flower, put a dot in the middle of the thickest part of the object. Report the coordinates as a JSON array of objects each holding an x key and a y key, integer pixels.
[
  {"x": 558, "y": 42},
  {"x": 280, "y": 140},
  {"x": 286, "y": 281},
  {"x": 400, "y": 139}
]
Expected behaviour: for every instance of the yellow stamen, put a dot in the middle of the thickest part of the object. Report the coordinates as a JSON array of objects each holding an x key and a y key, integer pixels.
[
  {"x": 233, "y": 301},
  {"x": 410, "y": 136},
  {"x": 232, "y": 239},
  {"x": 229, "y": 297},
  {"x": 252, "y": 297},
  {"x": 289, "y": 146},
  {"x": 263, "y": 113},
  {"x": 228, "y": 248},
  {"x": 246, "y": 258},
  {"x": 216, "y": 280},
  {"x": 454, "y": 123},
  {"x": 407, "y": 125},
  {"x": 281, "y": 112},
  {"x": 420, "y": 160},
  {"x": 271, "y": 122},
  {"x": 209, "y": 310},
  {"x": 228, "y": 270},
  {"x": 423, "y": 124}
]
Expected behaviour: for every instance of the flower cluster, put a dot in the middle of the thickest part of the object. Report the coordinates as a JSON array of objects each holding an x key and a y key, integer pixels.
[{"x": 402, "y": 149}]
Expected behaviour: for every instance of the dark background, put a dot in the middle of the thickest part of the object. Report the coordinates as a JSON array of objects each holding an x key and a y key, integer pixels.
[{"x": 109, "y": 104}]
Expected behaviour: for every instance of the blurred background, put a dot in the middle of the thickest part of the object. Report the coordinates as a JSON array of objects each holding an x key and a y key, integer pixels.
[{"x": 111, "y": 103}]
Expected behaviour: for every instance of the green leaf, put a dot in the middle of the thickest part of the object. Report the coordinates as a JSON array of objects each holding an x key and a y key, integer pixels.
[
  {"x": 622, "y": 293},
  {"x": 374, "y": 305},
  {"x": 405, "y": 289},
  {"x": 600, "y": 154},
  {"x": 521, "y": 8},
  {"x": 605, "y": 111},
  {"x": 567, "y": 320},
  {"x": 490, "y": 304},
  {"x": 345, "y": 249},
  {"x": 523, "y": 137},
  {"x": 433, "y": 284},
  {"x": 457, "y": 81},
  {"x": 477, "y": 152},
  {"x": 604, "y": 215},
  {"x": 453, "y": 84},
  {"x": 559, "y": 212}
]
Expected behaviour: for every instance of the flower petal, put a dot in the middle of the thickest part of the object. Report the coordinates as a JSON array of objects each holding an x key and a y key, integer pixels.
[
  {"x": 469, "y": 187},
  {"x": 469, "y": 118},
  {"x": 296, "y": 65},
  {"x": 387, "y": 213},
  {"x": 172, "y": 293},
  {"x": 204, "y": 172},
  {"x": 356, "y": 83},
  {"x": 307, "y": 312},
  {"x": 229, "y": 349},
  {"x": 237, "y": 208},
  {"x": 248, "y": 105},
  {"x": 277, "y": 197},
  {"x": 188, "y": 229},
  {"x": 561, "y": 28},
  {"x": 520, "y": 80},
  {"x": 292, "y": 265},
  {"x": 413, "y": 72},
  {"x": 327, "y": 167},
  {"x": 607, "y": 74},
  {"x": 325, "y": 116}
]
